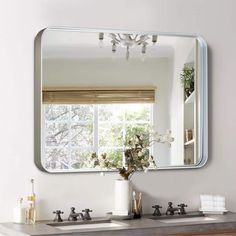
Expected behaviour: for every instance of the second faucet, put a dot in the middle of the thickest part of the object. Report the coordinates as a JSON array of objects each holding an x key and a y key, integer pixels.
[{"x": 73, "y": 215}]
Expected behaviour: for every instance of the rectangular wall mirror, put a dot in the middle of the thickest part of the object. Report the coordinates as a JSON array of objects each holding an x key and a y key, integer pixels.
[{"x": 97, "y": 89}]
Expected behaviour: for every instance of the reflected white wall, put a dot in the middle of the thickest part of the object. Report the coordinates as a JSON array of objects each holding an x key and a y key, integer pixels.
[
  {"x": 121, "y": 73},
  {"x": 182, "y": 50}
]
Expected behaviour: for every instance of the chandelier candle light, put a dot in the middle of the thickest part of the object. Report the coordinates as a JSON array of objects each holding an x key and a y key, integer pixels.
[{"x": 128, "y": 41}]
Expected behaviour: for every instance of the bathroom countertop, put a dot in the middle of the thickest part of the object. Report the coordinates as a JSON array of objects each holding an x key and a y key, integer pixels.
[{"x": 144, "y": 226}]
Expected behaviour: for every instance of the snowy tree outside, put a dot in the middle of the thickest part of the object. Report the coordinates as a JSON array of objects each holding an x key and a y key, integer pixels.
[{"x": 71, "y": 133}]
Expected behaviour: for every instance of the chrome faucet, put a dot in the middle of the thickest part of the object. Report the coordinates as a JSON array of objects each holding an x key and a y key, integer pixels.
[
  {"x": 58, "y": 216},
  {"x": 86, "y": 215},
  {"x": 73, "y": 215},
  {"x": 182, "y": 209},
  {"x": 157, "y": 210},
  {"x": 171, "y": 210}
]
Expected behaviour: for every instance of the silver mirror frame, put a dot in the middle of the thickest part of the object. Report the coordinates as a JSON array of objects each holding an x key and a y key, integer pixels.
[{"x": 202, "y": 119}]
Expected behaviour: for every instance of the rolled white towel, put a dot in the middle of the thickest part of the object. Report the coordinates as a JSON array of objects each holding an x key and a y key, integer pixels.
[
  {"x": 219, "y": 209},
  {"x": 207, "y": 203},
  {"x": 206, "y": 197},
  {"x": 218, "y": 198},
  {"x": 219, "y": 204},
  {"x": 207, "y": 209}
]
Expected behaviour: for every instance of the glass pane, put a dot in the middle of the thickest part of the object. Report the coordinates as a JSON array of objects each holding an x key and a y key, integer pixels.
[
  {"x": 110, "y": 135},
  {"x": 116, "y": 155},
  {"x": 82, "y": 134},
  {"x": 138, "y": 112},
  {"x": 57, "y": 134},
  {"x": 137, "y": 129},
  {"x": 111, "y": 112},
  {"x": 56, "y": 112},
  {"x": 82, "y": 112},
  {"x": 81, "y": 158},
  {"x": 56, "y": 158}
]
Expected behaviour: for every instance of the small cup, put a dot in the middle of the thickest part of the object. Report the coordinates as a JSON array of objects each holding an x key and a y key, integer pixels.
[
  {"x": 137, "y": 208},
  {"x": 188, "y": 135}
]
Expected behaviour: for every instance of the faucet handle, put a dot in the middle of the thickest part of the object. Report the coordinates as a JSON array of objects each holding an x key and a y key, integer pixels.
[
  {"x": 182, "y": 208},
  {"x": 87, "y": 210},
  {"x": 73, "y": 215},
  {"x": 156, "y": 211},
  {"x": 58, "y": 216},
  {"x": 86, "y": 215},
  {"x": 72, "y": 209}
]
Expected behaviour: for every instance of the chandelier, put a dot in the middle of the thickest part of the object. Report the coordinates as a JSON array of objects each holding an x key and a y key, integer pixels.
[{"x": 128, "y": 41}]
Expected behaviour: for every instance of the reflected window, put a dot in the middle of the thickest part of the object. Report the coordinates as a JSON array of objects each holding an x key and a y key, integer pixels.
[{"x": 72, "y": 132}]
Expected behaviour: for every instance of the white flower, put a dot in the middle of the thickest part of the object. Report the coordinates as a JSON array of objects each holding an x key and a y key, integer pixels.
[{"x": 140, "y": 154}]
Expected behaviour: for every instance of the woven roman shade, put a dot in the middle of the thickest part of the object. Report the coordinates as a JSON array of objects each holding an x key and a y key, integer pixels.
[{"x": 98, "y": 95}]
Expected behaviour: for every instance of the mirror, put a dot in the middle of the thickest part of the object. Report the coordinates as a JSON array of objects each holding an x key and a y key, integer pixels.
[{"x": 95, "y": 90}]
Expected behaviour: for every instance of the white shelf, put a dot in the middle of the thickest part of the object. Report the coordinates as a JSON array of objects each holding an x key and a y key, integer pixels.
[
  {"x": 190, "y": 62},
  {"x": 190, "y": 99},
  {"x": 191, "y": 142}
]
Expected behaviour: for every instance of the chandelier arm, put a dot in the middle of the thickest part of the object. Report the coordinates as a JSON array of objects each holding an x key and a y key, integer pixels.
[
  {"x": 114, "y": 38},
  {"x": 142, "y": 39},
  {"x": 139, "y": 42},
  {"x": 127, "y": 53},
  {"x": 112, "y": 35},
  {"x": 119, "y": 37}
]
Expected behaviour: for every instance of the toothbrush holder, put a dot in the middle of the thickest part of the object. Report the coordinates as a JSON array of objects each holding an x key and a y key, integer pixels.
[{"x": 137, "y": 208}]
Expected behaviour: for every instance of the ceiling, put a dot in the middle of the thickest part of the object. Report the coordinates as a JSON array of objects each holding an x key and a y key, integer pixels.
[{"x": 75, "y": 44}]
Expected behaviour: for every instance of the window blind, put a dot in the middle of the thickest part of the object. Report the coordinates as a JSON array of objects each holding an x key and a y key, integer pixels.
[{"x": 98, "y": 95}]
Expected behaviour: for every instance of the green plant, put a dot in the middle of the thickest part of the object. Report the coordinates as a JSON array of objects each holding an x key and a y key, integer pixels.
[
  {"x": 187, "y": 78},
  {"x": 136, "y": 153},
  {"x": 136, "y": 158}
]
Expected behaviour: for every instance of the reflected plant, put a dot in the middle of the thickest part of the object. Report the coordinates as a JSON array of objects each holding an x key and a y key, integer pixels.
[
  {"x": 187, "y": 78},
  {"x": 137, "y": 156}
]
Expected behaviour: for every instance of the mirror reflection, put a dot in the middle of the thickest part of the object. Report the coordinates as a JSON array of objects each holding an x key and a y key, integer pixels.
[{"x": 102, "y": 90}]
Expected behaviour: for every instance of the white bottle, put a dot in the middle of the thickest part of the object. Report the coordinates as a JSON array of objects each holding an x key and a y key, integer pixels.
[{"x": 19, "y": 213}]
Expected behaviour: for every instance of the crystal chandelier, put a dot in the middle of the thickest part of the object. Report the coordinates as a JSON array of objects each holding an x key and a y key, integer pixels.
[{"x": 129, "y": 41}]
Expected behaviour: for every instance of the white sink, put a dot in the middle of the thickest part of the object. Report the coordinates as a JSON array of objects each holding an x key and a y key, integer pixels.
[
  {"x": 186, "y": 220},
  {"x": 90, "y": 226}
]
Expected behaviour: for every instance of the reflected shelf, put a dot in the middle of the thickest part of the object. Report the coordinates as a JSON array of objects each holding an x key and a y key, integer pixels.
[
  {"x": 191, "y": 142},
  {"x": 190, "y": 99}
]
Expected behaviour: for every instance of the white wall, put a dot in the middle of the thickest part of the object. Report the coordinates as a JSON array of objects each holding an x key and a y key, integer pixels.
[
  {"x": 21, "y": 20},
  {"x": 153, "y": 72},
  {"x": 105, "y": 72}
]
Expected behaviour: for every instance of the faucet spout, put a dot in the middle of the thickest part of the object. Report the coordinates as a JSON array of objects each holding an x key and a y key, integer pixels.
[
  {"x": 81, "y": 216},
  {"x": 170, "y": 209},
  {"x": 73, "y": 215}
]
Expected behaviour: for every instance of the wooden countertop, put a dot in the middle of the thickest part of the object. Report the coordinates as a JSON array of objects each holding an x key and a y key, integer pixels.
[{"x": 143, "y": 226}]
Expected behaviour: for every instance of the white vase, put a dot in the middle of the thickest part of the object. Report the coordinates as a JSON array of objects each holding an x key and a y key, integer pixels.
[{"x": 122, "y": 197}]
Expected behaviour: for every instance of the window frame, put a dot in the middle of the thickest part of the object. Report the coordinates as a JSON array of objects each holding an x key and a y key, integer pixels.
[{"x": 96, "y": 122}]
